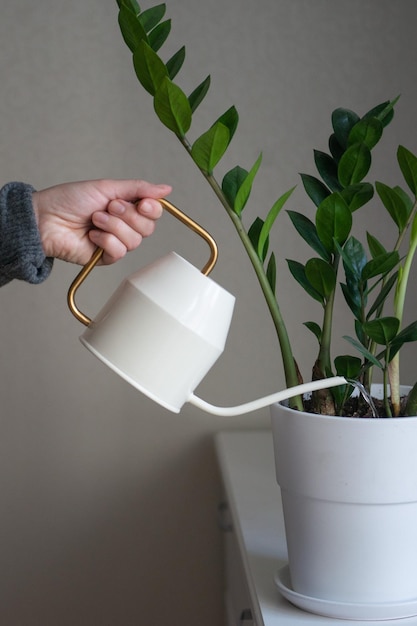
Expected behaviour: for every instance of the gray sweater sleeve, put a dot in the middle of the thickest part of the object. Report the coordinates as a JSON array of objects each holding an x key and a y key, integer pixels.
[{"x": 21, "y": 252}]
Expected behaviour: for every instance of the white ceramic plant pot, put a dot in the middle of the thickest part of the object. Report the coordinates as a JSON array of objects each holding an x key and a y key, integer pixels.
[{"x": 349, "y": 494}]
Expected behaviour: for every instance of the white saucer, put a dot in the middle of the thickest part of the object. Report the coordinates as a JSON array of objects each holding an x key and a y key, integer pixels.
[{"x": 343, "y": 610}]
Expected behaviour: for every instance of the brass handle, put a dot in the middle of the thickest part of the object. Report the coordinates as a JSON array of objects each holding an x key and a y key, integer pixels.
[{"x": 182, "y": 217}]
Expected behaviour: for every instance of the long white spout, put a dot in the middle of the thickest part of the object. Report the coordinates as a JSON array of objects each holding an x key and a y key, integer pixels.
[{"x": 279, "y": 396}]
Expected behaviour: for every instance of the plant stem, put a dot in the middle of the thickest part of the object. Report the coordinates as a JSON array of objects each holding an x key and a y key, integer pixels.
[{"x": 290, "y": 368}]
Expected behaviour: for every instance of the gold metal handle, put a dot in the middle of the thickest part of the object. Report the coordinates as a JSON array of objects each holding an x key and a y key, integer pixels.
[{"x": 88, "y": 267}]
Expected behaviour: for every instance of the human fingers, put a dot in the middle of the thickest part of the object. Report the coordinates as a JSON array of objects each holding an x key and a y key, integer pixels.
[
  {"x": 133, "y": 190},
  {"x": 137, "y": 215},
  {"x": 113, "y": 248}
]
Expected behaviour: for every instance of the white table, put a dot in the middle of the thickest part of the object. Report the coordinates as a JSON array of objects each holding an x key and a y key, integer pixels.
[{"x": 255, "y": 538}]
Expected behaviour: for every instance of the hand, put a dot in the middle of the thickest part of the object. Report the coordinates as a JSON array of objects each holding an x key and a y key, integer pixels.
[{"x": 76, "y": 218}]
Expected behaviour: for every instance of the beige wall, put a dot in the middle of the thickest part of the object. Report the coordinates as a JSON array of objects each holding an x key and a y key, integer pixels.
[{"x": 108, "y": 502}]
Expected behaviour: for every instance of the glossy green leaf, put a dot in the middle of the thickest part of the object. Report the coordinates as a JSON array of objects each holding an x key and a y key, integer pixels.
[
  {"x": 343, "y": 121},
  {"x": 199, "y": 93},
  {"x": 151, "y": 17},
  {"x": 380, "y": 265},
  {"x": 356, "y": 196},
  {"x": 353, "y": 299},
  {"x": 130, "y": 4},
  {"x": 315, "y": 329},
  {"x": 367, "y": 131},
  {"x": 333, "y": 221},
  {"x": 230, "y": 119},
  {"x": 159, "y": 35},
  {"x": 382, "y": 330},
  {"x": 327, "y": 168},
  {"x": 407, "y": 335},
  {"x": 408, "y": 165},
  {"x": 209, "y": 148},
  {"x": 335, "y": 148},
  {"x": 408, "y": 202},
  {"x": 348, "y": 366},
  {"x": 232, "y": 182},
  {"x": 297, "y": 270},
  {"x": 321, "y": 276},
  {"x": 375, "y": 247},
  {"x": 271, "y": 272},
  {"x": 149, "y": 68},
  {"x": 175, "y": 63},
  {"x": 253, "y": 234},
  {"x": 383, "y": 295},
  {"x": 361, "y": 348},
  {"x": 172, "y": 107},
  {"x": 354, "y": 164},
  {"x": 308, "y": 231},
  {"x": 384, "y": 111},
  {"x": 394, "y": 204},
  {"x": 272, "y": 216},
  {"x": 315, "y": 189},
  {"x": 131, "y": 28},
  {"x": 245, "y": 188},
  {"x": 354, "y": 258}
]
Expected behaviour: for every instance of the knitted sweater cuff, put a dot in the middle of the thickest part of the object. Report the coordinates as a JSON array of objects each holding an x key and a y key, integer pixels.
[{"x": 21, "y": 251}]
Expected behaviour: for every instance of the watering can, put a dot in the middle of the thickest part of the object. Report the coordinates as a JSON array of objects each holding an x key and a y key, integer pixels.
[{"x": 166, "y": 325}]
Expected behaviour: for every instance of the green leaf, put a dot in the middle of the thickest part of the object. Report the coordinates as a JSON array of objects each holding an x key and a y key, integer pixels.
[
  {"x": 368, "y": 355},
  {"x": 271, "y": 272},
  {"x": 208, "y": 149},
  {"x": 335, "y": 148},
  {"x": 354, "y": 258},
  {"x": 245, "y": 188},
  {"x": 321, "y": 276},
  {"x": 315, "y": 329},
  {"x": 367, "y": 131},
  {"x": 382, "y": 330},
  {"x": 357, "y": 195},
  {"x": 298, "y": 272},
  {"x": 253, "y": 234},
  {"x": 327, "y": 168},
  {"x": 149, "y": 68},
  {"x": 348, "y": 366},
  {"x": 172, "y": 107},
  {"x": 230, "y": 119},
  {"x": 131, "y": 28},
  {"x": 175, "y": 63},
  {"x": 308, "y": 231},
  {"x": 354, "y": 164},
  {"x": 394, "y": 204},
  {"x": 159, "y": 35},
  {"x": 343, "y": 121},
  {"x": 232, "y": 182},
  {"x": 408, "y": 202},
  {"x": 353, "y": 299},
  {"x": 199, "y": 93},
  {"x": 333, "y": 221},
  {"x": 375, "y": 247},
  {"x": 383, "y": 294},
  {"x": 384, "y": 111},
  {"x": 380, "y": 265},
  {"x": 271, "y": 217},
  {"x": 151, "y": 17},
  {"x": 130, "y": 4},
  {"x": 407, "y": 335},
  {"x": 315, "y": 189},
  {"x": 408, "y": 165}
]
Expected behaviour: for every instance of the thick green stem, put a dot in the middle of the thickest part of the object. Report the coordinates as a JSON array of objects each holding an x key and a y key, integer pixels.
[
  {"x": 399, "y": 302},
  {"x": 290, "y": 368}
]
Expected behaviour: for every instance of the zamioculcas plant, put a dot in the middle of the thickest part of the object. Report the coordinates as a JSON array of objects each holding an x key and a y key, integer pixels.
[{"x": 369, "y": 280}]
